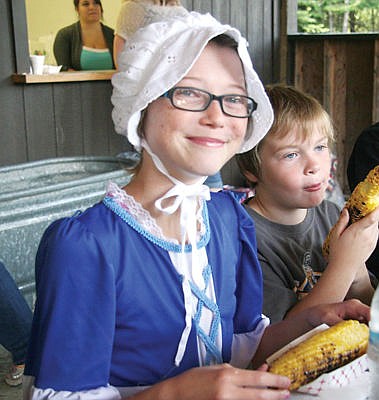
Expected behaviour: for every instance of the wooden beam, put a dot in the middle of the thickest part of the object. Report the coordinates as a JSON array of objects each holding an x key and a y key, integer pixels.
[
  {"x": 20, "y": 34},
  {"x": 74, "y": 76},
  {"x": 375, "y": 100}
]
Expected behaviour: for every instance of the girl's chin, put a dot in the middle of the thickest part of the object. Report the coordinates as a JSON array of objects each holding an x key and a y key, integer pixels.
[{"x": 193, "y": 179}]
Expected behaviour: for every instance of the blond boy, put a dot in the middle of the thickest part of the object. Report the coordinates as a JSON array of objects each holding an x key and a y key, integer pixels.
[{"x": 289, "y": 171}]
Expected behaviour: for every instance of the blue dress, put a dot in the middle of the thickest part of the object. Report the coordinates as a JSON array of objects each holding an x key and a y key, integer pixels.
[{"x": 110, "y": 306}]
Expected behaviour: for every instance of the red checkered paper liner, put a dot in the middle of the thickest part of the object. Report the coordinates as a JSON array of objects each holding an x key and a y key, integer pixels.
[
  {"x": 343, "y": 376},
  {"x": 338, "y": 378}
]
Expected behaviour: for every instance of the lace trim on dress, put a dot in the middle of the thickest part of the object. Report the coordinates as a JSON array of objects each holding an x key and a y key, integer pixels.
[
  {"x": 134, "y": 208},
  {"x": 142, "y": 216}
]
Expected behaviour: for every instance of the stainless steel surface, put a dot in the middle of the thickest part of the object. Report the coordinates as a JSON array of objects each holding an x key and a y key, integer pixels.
[{"x": 34, "y": 194}]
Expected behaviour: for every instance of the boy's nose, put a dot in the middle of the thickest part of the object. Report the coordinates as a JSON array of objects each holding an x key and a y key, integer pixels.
[{"x": 312, "y": 167}]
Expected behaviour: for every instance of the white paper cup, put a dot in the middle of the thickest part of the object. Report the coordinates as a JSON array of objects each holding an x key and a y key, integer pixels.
[{"x": 37, "y": 64}]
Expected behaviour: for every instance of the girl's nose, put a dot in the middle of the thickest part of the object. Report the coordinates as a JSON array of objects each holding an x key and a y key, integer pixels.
[{"x": 213, "y": 115}]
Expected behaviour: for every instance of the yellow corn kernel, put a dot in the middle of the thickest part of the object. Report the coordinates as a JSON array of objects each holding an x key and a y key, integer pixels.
[
  {"x": 323, "y": 352},
  {"x": 365, "y": 197},
  {"x": 363, "y": 200}
]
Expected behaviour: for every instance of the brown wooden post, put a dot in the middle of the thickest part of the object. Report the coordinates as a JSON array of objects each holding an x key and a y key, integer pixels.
[
  {"x": 334, "y": 96},
  {"x": 375, "y": 101}
]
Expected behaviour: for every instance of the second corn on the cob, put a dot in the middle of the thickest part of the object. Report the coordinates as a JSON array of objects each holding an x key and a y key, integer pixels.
[
  {"x": 363, "y": 200},
  {"x": 323, "y": 352},
  {"x": 365, "y": 197}
]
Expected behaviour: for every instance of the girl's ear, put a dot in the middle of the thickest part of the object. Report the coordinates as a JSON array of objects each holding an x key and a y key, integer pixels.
[{"x": 250, "y": 177}]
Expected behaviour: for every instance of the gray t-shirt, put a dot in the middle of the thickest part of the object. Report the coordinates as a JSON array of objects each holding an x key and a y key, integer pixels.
[{"x": 291, "y": 256}]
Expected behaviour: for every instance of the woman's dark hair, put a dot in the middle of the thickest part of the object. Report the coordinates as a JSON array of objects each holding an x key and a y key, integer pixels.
[{"x": 76, "y": 4}]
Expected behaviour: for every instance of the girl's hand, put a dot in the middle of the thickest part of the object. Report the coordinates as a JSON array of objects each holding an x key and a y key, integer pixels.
[
  {"x": 226, "y": 382},
  {"x": 221, "y": 382}
]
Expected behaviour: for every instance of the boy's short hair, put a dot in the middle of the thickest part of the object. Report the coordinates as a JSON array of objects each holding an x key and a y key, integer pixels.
[{"x": 292, "y": 107}]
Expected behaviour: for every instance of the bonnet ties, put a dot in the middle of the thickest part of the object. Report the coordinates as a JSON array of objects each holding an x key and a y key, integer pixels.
[{"x": 187, "y": 198}]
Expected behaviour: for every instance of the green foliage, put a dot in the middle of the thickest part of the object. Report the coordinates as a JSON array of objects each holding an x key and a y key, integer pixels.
[
  {"x": 39, "y": 52},
  {"x": 318, "y": 16}
]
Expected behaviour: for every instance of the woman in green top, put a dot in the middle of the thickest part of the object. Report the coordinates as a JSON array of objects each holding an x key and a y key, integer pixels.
[{"x": 86, "y": 44}]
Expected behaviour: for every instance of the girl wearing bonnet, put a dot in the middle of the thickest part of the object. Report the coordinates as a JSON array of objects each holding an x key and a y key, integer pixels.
[
  {"x": 156, "y": 291},
  {"x": 138, "y": 13}
]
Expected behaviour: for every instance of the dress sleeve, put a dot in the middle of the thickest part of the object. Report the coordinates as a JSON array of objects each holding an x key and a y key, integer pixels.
[
  {"x": 102, "y": 393},
  {"x": 73, "y": 328}
]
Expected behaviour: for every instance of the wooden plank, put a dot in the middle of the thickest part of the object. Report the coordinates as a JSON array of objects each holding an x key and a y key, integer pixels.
[
  {"x": 72, "y": 76},
  {"x": 280, "y": 43},
  {"x": 221, "y": 10},
  {"x": 13, "y": 147},
  {"x": 334, "y": 96},
  {"x": 186, "y": 4},
  {"x": 202, "y": 6},
  {"x": 117, "y": 143},
  {"x": 309, "y": 67},
  {"x": 40, "y": 122},
  {"x": 375, "y": 101},
  {"x": 291, "y": 15},
  {"x": 20, "y": 36},
  {"x": 96, "y": 111},
  {"x": 268, "y": 39},
  {"x": 255, "y": 35},
  {"x": 99, "y": 135},
  {"x": 68, "y": 103},
  {"x": 238, "y": 15},
  {"x": 12, "y": 128}
]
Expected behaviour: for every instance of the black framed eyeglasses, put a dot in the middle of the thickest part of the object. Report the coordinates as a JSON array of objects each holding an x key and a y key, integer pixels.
[{"x": 193, "y": 99}]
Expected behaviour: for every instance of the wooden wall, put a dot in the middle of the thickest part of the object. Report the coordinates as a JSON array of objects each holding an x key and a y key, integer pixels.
[
  {"x": 47, "y": 120},
  {"x": 341, "y": 72}
]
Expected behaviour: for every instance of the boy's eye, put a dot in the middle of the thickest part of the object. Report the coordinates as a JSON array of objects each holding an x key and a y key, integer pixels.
[
  {"x": 321, "y": 147},
  {"x": 290, "y": 156}
]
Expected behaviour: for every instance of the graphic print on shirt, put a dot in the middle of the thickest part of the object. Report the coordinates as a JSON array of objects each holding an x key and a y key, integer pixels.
[{"x": 311, "y": 277}]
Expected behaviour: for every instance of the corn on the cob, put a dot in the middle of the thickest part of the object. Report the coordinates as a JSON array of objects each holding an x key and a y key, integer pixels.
[
  {"x": 323, "y": 352},
  {"x": 363, "y": 200}
]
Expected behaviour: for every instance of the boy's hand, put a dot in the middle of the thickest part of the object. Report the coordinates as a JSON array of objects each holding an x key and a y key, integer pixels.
[
  {"x": 358, "y": 239},
  {"x": 363, "y": 201}
]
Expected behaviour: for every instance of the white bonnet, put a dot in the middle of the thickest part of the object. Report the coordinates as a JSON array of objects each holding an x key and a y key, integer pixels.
[{"x": 159, "y": 55}]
